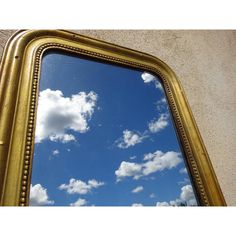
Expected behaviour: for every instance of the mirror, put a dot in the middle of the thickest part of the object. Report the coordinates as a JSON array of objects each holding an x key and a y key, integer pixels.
[
  {"x": 105, "y": 137},
  {"x": 108, "y": 124}
]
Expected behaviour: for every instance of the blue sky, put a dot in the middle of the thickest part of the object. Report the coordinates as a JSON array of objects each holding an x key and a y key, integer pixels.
[{"x": 104, "y": 137}]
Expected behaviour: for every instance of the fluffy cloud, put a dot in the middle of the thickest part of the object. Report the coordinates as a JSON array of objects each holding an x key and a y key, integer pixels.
[
  {"x": 152, "y": 195},
  {"x": 153, "y": 162},
  {"x": 158, "y": 125},
  {"x": 187, "y": 195},
  {"x": 161, "y": 105},
  {"x": 137, "y": 205},
  {"x": 128, "y": 169},
  {"x": 138, "y": 189},
  {"x": 129, "y": 139},
  {"x": 147, "y": 78},
  {"x": 58, "y": 114},
  {"x": 39, "y": 196},
  {"x": 186, "y": 198},
  {"x": 184, "y": 182},
  {"x": 79, "y": 202},
  {"x": 64, "y": 138},
  {"x": 183, "y": 171},
  {"x": 158, "y": 85},
  {"x": 55, "y": 152},
  {"x": 80, "y": 187},
  {"x": 162, "y": 204},
  {"x": 159, "y": 161}
]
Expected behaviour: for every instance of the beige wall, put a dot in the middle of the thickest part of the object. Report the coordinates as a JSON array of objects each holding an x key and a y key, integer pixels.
[{"x": 205, "y": 62}]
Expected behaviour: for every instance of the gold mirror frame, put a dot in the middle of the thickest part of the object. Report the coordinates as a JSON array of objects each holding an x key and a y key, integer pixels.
[{"x": 19, "y": 80}]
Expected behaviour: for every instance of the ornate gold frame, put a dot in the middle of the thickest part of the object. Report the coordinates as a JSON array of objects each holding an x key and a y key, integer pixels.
[{"x": 20, "y": 72}]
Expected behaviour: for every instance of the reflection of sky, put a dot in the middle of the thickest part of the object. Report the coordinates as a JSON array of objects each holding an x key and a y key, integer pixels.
[{"x": 125, "y": 120}]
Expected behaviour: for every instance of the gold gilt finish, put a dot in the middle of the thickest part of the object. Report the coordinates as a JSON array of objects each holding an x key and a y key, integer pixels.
[{"x": 19, "y": 88}]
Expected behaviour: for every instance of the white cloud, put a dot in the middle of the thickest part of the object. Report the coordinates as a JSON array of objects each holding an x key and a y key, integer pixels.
[
  {"x": 158, "y": 85},
  {"x": 151, "y": 156},
  {"x": 163, "y": 100},
  {"x": 95, "y": 184},
  {"x": 152, "y": 195},
  {"x": 64, "y": 138},
  {"x": 79, "y": 202},
  {"x": 58, "y": 114},
  {"x": 162, "y": 204},
  {"x": 128, "y": 169},
  {"x": 80, "y": 187},
  {"x": 158, "y": 125},
  {"x": 186, "y": 198},
  {"x": 147, "y": 78},
  {"x": 161, "y": 105},
  {"x": 183, "y": 170},
  {"x": 55, "y": 152},
  {"x": 137, "y": 189},
  {"x": 159, "y": 161},
  {"x": 153, "y": 162},
  {"x": 187, "y": 195},
  {"x": 133, "y": 157},
  {"x": 184, "y": 182},
  {"x": 39, "y": 196},
  {"x": 137, "y": 205},
  {"x": 129, "y": 139}
]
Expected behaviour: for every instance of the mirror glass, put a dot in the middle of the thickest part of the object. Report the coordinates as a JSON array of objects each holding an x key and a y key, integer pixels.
[{"x": 105, "y": 137}]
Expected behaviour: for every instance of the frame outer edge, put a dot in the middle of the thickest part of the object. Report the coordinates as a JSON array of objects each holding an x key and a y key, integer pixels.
[{"x": 21, "y": 41}]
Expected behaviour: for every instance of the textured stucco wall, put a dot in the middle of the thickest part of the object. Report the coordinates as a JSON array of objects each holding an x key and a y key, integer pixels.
[{"x": 205, "y": 62}]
